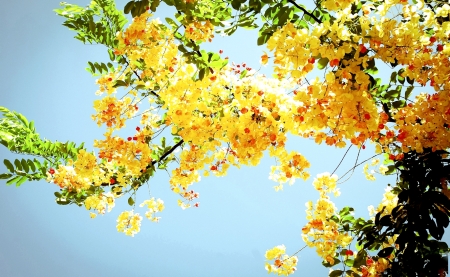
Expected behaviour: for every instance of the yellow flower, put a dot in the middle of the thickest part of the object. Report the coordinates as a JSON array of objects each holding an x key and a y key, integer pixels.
[
  {"x": 129, "y": 223},
  {"x": 264, "y": 59},
  {"x": 153, "y": 206}
]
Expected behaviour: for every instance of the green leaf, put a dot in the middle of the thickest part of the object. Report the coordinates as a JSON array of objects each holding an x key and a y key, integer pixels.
[
  {"x": 409, "y": 80},
  {"x": 262, "y": 39},
  {"x": 322, "y": 63},
  {"x": 385, "y": 252},
  {"x": 360, "y": 258},
  {"x": 22, "y": 180},
  {"x": 345, "y": 211},
  {"x": 9, "y": 165},
  {"x": 408, "y": 92},
  {"x": 349, "y": 262},
  {"x": 24, "y": 164},
  {"x": 13, "y": 180},
  {"x": 392, "y": 94},
  {"x": 201, "y": 74},
  {"x": 120, "y": 83},
  {"x": 103, "y": 66},
  {"x": 400, "y": 78},
  {"x": 391, "y": 169},
  {"x": 399, "y": 104},
  {"x": 62, "y": 202},
  {"x": 112, "y": 57},
  {"x": 31, "y": 126},
  {"x": 130, "y": 201},
  {"x": 243, "y": 74},
  {"x": 22, "y": 118},
  {"x": 372, "y": 70},
  {"x": 370, "y": 63},
  {"x": 336, "y": 273},
  {"x": 6, "y": 175},
  {"x": 154, "y": 5},
  {"x": 176, "y": 139},
  {"x": 92, "y": 67},
  {"x": 18, "y": 165},
  {"x": 394, "y": 77},
  {"x": 171, "y": 22},
  {"x": 128, "y": 7}
]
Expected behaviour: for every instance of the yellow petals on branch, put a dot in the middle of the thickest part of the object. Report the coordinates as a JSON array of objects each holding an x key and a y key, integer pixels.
[
  {"x": 129, "y": 223},
  {"x": 153, "y": 206},
  {"x": 199, "y": 31},
  {"x": 320, "y": 232},
  {"x": 283, "y": 264},
  {"x": 99, "y": 203}
]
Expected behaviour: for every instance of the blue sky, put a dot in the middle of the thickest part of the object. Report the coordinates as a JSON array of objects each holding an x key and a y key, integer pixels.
[{"x": 240, "y": 217}]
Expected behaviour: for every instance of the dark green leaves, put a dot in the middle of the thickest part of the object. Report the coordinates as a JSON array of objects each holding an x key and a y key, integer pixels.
[
  {"x": 408, "y": 92},
  {"x": 360, "y": 258},
  {"x": 384, "y": 253},
  {"x": 5, "y": 176},
  {"x": 138, "y": 7},
  {"x": 28, "y": 169},
  {"x": 336, "y": 273},
  {"x": 100, "y": 68},
  {"x": 9, "y": 165}
]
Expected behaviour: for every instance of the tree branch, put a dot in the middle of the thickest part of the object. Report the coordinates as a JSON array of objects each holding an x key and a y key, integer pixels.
[
  {"x": 305, "y": 11},
  {"x": 166, "y": 154},
  {"x": 139, "y": 77}
]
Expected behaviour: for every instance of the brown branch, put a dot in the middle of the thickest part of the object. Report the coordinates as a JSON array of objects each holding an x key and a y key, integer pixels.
[
  {"x": 305, "y": 11},
  {"x": 157, "y": 161},
  {"x": 166, "y": 154}
]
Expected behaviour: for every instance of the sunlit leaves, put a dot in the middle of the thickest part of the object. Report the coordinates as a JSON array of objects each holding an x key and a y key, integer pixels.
[
  {"x": 138, "y": 7},
  {"x": 89, "y": 30},
  {"x": 349, "y": 104}
]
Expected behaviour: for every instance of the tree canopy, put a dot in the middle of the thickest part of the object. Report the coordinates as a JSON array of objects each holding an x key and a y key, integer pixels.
[{"x": 325, "y": 60}]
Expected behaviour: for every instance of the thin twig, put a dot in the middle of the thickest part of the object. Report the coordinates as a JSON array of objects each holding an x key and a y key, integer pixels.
[
  {"x": 305, "y": 11},
  {"x": 299, "y": 251},
  {"x": 357, "y": 166},
  {"x": 341, "y": 159}
]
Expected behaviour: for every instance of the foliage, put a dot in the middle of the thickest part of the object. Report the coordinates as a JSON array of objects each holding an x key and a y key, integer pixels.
[
  {"x": 220, "y": 116},
  {"x": 19, "y": 136}
]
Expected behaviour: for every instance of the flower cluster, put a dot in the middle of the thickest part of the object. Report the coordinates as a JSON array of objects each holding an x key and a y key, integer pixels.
[
  {"x": 283, "y": 264},
  {"x": 129, "y": 223},
  {"x": 199, "y": 31},
  {"x": 425, "y": 124},
  {"x": 375, "y": 268},
  {"x": 321, "y": 232},
  {"x": 370, "y": 175},
  {"x": 100, "y": 202},
  {"x": 153, "y": 207},
  {"x": 66, "y": 177}
]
